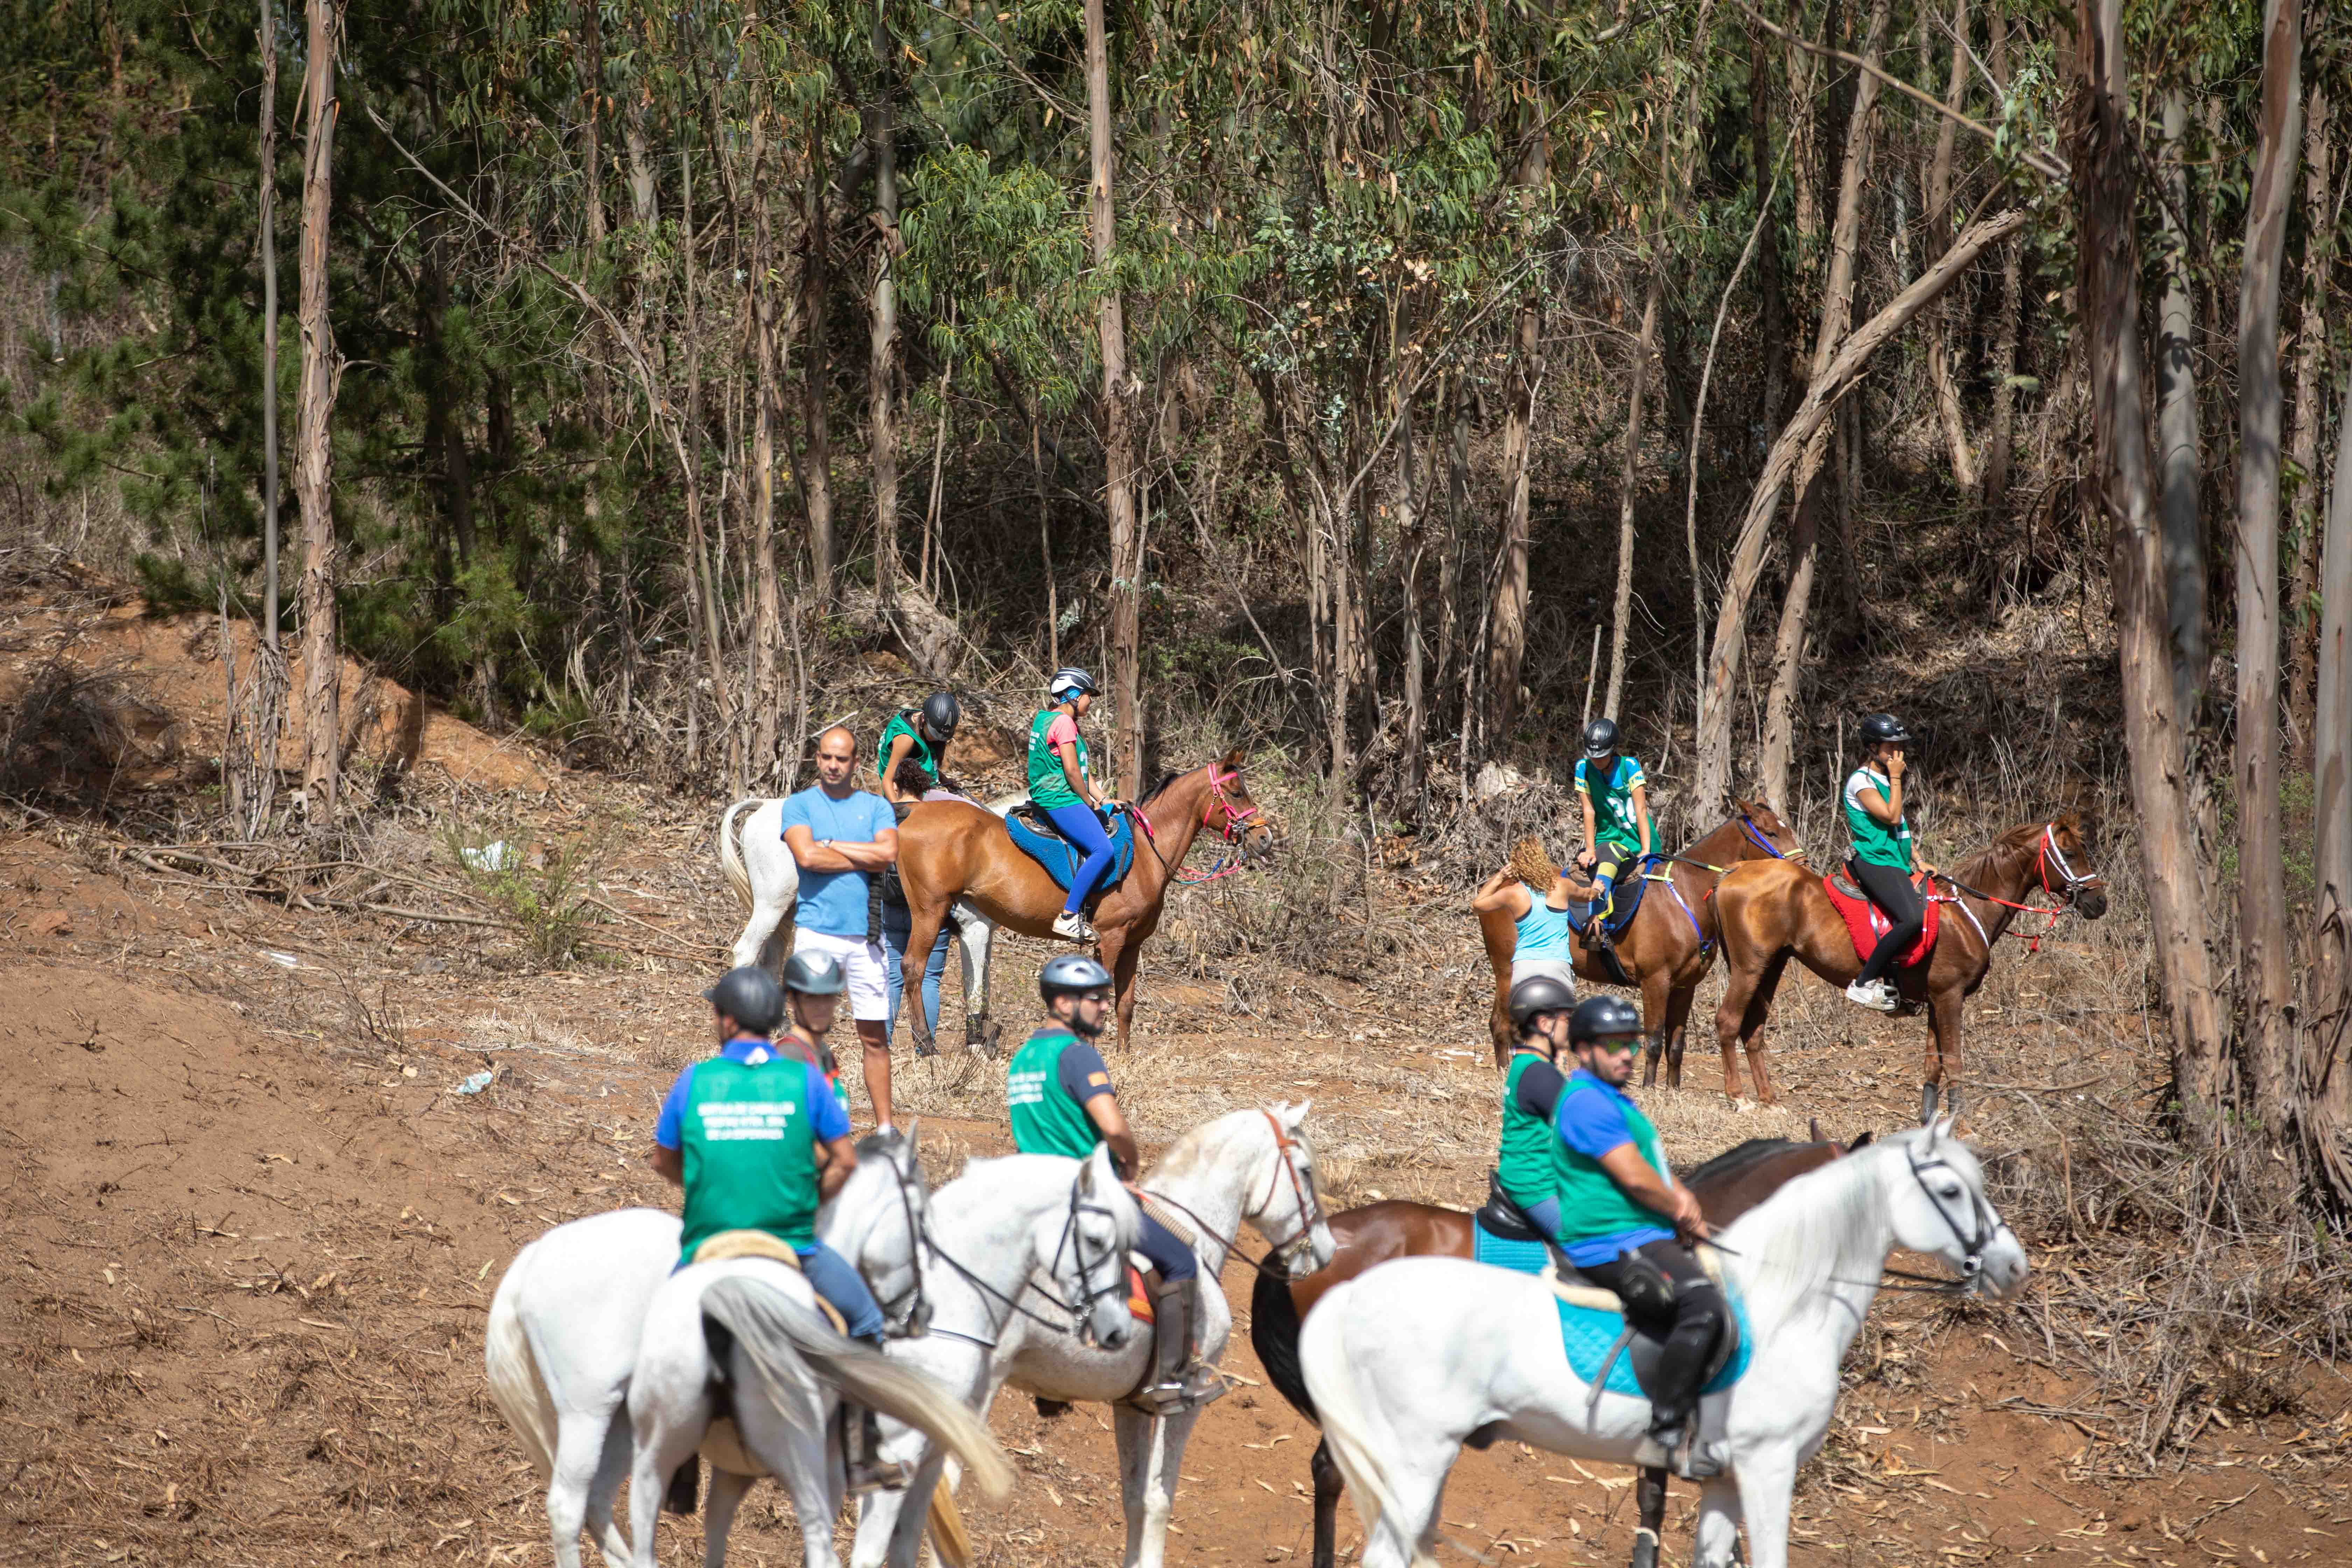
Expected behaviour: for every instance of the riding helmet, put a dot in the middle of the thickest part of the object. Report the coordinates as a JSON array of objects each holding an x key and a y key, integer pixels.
[
  {"x": 748, "y": 995},
  {"x": 1070, "y": 681},
  {"x": 1599, "y": 738},
  {"x": 1069, "y": 972},
  {"x": 1601, "y": 1017},
  {"x": 941, "y": 714},
  {"x": 1885, "y": 727},
  {"x": 814, "y": 974},
  {"x": 1538, "y": 993}
]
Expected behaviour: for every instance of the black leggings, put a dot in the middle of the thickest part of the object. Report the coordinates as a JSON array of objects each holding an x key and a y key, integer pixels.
[
  {"x": 1699, "y": 1317},
  {"x": 1899, "y": 901}
]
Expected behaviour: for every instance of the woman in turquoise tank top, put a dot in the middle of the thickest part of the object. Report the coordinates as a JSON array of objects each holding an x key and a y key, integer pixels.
[{"x": 1543, "y": 942}]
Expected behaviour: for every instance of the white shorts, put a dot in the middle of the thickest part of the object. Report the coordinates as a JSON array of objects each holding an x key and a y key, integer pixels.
[
  {"x": 1526, "y": 968},
  {"x": 861, "y": 965}
]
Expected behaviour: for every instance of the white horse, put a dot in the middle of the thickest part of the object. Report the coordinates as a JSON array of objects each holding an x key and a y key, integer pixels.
[
  {"x": 1418, "y": 1356},
  {"x": 560, "y": 1344},
  {"x": 766, "y": 877},
  {"x": 1248, "y": 1165},
  {"x": 1068, "y": 1222}
]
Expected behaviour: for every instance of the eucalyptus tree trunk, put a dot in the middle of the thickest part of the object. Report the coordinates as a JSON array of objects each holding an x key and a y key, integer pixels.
[
  {"x": 2000, "y": 438},
  {"x": 1771, "y": 326},
  {"x": 817, "y": 457},
  {"x": 592, "y": 47},
  {"x": 1456, "y": 408},
  {"x": 2265, "y": 993},
  {"x": 1412, "y": 541},
  {"x": 2310, "y": 372},
  {"x": 1118, "y": 437},
  {"x": 267, "y": 162},
  {"x": 2107, "y": 294},
  {"x": 1729, "y": 644},
  {"x": 2328, "y": 1012},
  {"x": 882, "y": 434},
  {"x": 314, "y": 458},
  {"x": 1507, "y": 617},
  {"x": 767, "y": 357},
  {"x": 1936, "y": 197},
  {"x": 2178, "y": 446},
  {"x": 701, "y": 584},
  {"x": 1837, "y": 312}
]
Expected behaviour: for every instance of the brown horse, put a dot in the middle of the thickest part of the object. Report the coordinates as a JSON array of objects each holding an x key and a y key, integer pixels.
[
  {"x": 1726, "y": 1187},
  {"x": 1770, "y": 913},
  {"x": 1668, "y": 947},
  {"x": 950, "y": 849}
]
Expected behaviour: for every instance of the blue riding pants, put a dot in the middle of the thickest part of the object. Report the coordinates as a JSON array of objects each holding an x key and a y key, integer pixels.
[
  {"x": 1081, "y": 827},
  {"x": 835, "y": 1279},
  {"x": 898, "y": 925},
  {"x": 1545, "y": 1217},
  {"x": 1174, "y": 1259}
]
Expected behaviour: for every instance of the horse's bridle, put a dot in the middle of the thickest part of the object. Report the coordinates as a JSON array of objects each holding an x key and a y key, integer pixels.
[
  {"x": 1310, "y": 1209},
  {"x": 1756, "y": 835},
  {"x": 2062, "y": 896},
  {"x": 917, "y": 1318},
  {"x": 2075, "y": 880},
  {"x": 1072, "y": 1241},
  {"x": 1983, "y": 1224},
  {"x": 1233, "y": 830}
]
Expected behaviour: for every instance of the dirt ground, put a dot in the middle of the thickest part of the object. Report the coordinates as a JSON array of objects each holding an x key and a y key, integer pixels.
[{"x": 255, "y": 1229}]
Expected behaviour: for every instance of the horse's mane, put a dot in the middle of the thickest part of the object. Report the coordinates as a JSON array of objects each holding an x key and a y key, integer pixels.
[
  {"x": 1185, "y": 1155},
  {"x": 2016, "y": 841},
  {"x": 1798, "y": 1239},
  {"x": 1739, "y": 1157},
  {"x": 1160, "y": 784}
]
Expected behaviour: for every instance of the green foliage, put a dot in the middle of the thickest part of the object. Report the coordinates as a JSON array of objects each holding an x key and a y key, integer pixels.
[{"x": 547, "y": 889}]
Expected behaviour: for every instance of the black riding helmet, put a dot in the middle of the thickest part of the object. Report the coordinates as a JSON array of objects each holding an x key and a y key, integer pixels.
[
  {"x": 1599, "y": 738},
  {"x": 1600, "y": 1018},
  {"x": 1071, "y": 972},
  {"x": 941, "y": 714},
  {"x": 1537, "y": 995},
  {"x": 750, "y": 997},
  {"x": 1885, "y": 727}
]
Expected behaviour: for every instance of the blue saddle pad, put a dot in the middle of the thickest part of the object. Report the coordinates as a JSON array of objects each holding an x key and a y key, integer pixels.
[
  {"x": 1587, "y": 1334},
  {"x": 1061, "y": 858},
  {"x": 1521, "y": 1257},
  {"x": 1628, "y": 890}
]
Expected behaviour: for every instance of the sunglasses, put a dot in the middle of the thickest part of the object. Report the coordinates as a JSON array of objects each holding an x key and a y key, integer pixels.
[{"x": 1612, "y": 1044}]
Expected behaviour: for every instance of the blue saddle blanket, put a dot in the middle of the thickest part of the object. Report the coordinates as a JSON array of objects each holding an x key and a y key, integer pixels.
[
  {"x": 1061, "y": 858},
  {"x": 1588, "y": 1334},
  {"x": 1627, "y": 891},
  {"x": 1519, "y": 1257}
]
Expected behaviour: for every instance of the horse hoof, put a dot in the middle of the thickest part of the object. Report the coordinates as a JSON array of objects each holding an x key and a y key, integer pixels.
[{"x": 1926, "y": 1103}]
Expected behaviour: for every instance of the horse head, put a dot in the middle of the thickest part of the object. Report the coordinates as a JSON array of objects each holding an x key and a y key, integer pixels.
[
  {"x": 1084, "y": 1250},
  {"x": 2064, "y": 850},
  {"x": 1289, "y": 1212},
  {"x": 1231, "y": 814},
  {"x": 1938, "y": 1203},
  {"x": 1763, "y": 829},
  {"x": 876, "y": 1222}
]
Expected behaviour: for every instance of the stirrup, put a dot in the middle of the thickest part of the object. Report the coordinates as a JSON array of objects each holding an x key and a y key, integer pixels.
[
  {"x": 862, "y": 1470},
  {"x": 1072, "y": 926},
  {"x": 1684, "y": 1455},
  {"x": 1195, "y": 1387},
  {"x": 1877, "y": 995}
]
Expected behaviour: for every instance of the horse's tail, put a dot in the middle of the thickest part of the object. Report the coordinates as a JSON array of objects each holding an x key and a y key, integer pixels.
[
  {"x": 774, "y": 1329},
  {"x": 517, "y": 1387},
  {"x": 1352, "y": 1434},
  {"x": 1274, "y": 1335},
  {"x": 730, "y": 857}
]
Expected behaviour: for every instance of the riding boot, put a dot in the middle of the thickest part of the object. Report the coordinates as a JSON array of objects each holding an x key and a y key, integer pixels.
[
  {"x": 865, "y": 1468},
  {"x": 1179, "y": 1381}
]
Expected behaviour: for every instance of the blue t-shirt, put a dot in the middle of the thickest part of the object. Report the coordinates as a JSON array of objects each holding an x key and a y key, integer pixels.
[
  {"x": 1593, "y": 1124},
  {"x": 828, "y": 1118},
  {"x": 834, "y": 903},
  {"x": 1082, "y": 1073}
]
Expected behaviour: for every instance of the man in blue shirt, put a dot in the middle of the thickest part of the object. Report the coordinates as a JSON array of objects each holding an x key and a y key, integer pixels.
[
  {"x": 840, "y": 836},
  {"x": 1630, "y": 1226}
]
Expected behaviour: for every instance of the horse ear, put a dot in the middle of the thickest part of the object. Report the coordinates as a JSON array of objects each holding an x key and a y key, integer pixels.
[
  {"x": 1086, "y": 1171},
  {"x": 914, "y": 1132},
  {"x": 1291, "y": 1116},
  {"x": 1232, "y": 760},
  {"x": 1860, "y": 1143}
]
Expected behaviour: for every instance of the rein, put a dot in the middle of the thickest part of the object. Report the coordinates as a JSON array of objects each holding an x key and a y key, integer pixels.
[
  {"x": 1981, "y": 1220},
  {"x": 1310, "y": 1211},
  {"x": 1236, "y": 823},
  {"x": 2045, "y": 851},
  {"x": 1071, "y": 1240}
]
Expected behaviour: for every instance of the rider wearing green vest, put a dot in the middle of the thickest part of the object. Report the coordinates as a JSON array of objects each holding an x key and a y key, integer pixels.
[
  {"x": 1058, "y": 1093},
  {"x": 1617, "y": 826},
  {"x": 1061, "y": 787},
  {"x": 906, "y": 759},
  {"x": 1540, "y": 1006},
  {"x": 1617, "y": 1199},
  {"x": 1882, "y": 862}
]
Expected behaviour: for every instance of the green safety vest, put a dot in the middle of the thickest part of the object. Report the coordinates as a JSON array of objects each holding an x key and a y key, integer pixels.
[
  {"x": 1046, "y": 1120},
  {"x": 1874, "y": 843},
  {"x": 1047, "y": 785},
  {"x": 750, "y": 1152},
  {"x": 1590, "y": 1202},
  {"x": 1524, "y": 1164},
  {"x": 1613, "y": 818},
  {"x": 922, "y": 757}
]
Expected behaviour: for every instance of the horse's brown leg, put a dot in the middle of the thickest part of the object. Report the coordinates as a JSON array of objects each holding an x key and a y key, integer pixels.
[
  {"x": 1677, "y": 1035},
  {"x": 1122, "y": 949},
  {"x": 1731, "y": 1017},
  {"x": 1943, "y": 1056},
  {"x": 1656, "y": 987},
  {"x": 1751, "y": 1032},
  {"x": 927, "y": 912}
]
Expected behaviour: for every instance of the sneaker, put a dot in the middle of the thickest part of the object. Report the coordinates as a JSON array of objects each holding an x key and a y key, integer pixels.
[
  {"x": 1071, "y": 926},
  {"x": 1875, "y": 995}
]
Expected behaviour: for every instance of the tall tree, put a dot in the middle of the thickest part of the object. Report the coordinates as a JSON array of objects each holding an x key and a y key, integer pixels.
[
  {"x": 2179, "y": 452},
  {"x": 816, "y": 299},
  {"x": 2327, "y": 1010},
  {"x": 882, "y": 368},
  {"x": 1118, "y": 437},
  {"x": 2264, "y": 991},
  {"x": 2310, "y": 372},
  {"x": 314, "y": 456},
  {"x": 267, "y": 226},
  {"x": 1936, "y": 197}
]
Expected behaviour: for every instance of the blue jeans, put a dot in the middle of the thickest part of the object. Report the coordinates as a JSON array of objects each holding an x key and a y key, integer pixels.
[
  {"x": 1081, "y": 827},
  {"x": 1174, "y": 1259},
  {"x": 833, "y": 1276},
  {"x": 898, "y": 925}
]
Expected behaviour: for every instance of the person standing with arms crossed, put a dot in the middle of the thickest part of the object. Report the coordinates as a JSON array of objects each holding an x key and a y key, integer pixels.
[{"x": 840, "y": 837}]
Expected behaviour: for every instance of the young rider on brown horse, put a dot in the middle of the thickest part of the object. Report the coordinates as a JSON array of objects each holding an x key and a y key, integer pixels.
[
  {"x": 1059, "y": 1095},
  {"x": 1059, "y": 785},
  {"x": 908, "y": 760},
  {"x": 1616, "y": 821},
  {"x": 1882, "y": 862}
]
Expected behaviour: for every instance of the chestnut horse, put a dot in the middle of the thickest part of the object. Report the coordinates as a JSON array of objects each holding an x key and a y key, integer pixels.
[
  {"x": 1671, "y": 942},
  {"x": 951, "y": 849},
  {"x": 1726, "y": 1187},
  {"x": 1770, "y": 913}
]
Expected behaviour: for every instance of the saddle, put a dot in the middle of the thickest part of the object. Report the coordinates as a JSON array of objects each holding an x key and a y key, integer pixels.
[
  {"x": 1866, "y": 922},
  {"x": 1034, "y": 834},
  {"x": 722, "y": 1445},
  {"x": 1627, "y": 891}
]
